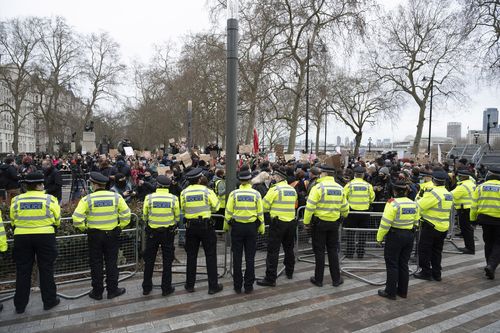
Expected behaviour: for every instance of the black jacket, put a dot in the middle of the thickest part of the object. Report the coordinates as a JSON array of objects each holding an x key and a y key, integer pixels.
[
  {"x": 9, "y": 178},
  {"x": 53, "y": 183}
]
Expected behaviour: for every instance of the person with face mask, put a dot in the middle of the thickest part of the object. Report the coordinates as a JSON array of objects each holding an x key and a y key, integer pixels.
[
  {"x": 53, "y": 180},
  {"x": 123, "y": 187}
]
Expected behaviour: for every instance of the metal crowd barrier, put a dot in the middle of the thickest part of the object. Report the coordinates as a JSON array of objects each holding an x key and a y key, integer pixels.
[
  {"x": 179, "y": 265},
  {"x": 72, "y": 263}
]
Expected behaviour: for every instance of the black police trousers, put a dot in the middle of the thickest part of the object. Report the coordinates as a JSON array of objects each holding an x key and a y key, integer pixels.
[
  {"x": 204, "y": 234},
  {"x": 430, "y": 250},
  {"x": 104, "y": 244},
  {"x": 397, "y": 252},
  {"x": 244, "y": 237},
  {"x": 26, "y": 248},
  {"x": 280, "y": 233},
  {"x": 491, "y": 237},
  {"x": 356, "y": 220},
  {"x": 466, "y": 228},
  {"x": 154, "y": 239},
  {"x": 325, "y": 234}
]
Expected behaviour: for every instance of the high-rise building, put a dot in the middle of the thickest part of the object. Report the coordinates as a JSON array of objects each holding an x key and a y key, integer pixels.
[
  {"x": 339, "y": 140},
  {"x": 493, "y": 112},
  {"x": 454, "y": 131}
]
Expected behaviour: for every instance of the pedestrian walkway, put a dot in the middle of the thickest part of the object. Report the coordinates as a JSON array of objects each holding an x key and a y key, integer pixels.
[{"x": 463, "y": 302}]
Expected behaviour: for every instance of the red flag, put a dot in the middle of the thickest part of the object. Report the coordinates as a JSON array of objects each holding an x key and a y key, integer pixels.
[{"x": 255, "y": 142}]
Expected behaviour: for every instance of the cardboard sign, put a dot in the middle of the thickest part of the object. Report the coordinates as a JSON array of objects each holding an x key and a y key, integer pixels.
[
  {"x": 128, "y": 151},
  {"x": 279, "y": 149},
  {"x": 186, "y": 159},
  {"x": 172, "y": 140},
  {"x": 113, "y": 152},
  {"x": 246, "y": 149},
  {"x": 183, "y": 140},
  {"x": 162, "y": 170},
  {"x": 289, "y": 157},
  {"x": 205, "y": 157}
]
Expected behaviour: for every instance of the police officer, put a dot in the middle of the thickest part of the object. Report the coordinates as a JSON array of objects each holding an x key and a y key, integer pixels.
[
  {"x": 486, "y": 211},
  {"x": 103, "y": 214},
  {"x": 427, "y": 183},
  {"x": 435, "y": 210},
  {"x": 245, "y": 217},
  {"x": 3, "y": 243},
  {"x": 34, "y": 216},
  {"x": 161, "y": 213},
  {"x": 360, "y": 195},
  {"x": 197, "y": 204},
  {"x": 398, "y": 224},
  {"x": 280, "y": 202},
  {"x": 462, "y": 199},
  {"x": 326, "y": 205},
  {"x": 219, "y": 185}
]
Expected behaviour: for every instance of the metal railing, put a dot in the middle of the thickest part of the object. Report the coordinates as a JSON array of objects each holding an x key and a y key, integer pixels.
[{"x": 72, "y": 263}]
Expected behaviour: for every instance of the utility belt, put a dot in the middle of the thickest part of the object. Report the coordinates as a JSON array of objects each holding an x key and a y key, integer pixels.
[
  {"x": 317, "y": 221},
  {"x": 233, "y": 221},
  {"x": 427, "y": 224},
  {"x": 199, "y": 222},
  {"x": 277, "y": 220},
  {"x": 116, "y": 231},
  {"x": 161, "y": 230},
  {"x": 396, "y": 230}
]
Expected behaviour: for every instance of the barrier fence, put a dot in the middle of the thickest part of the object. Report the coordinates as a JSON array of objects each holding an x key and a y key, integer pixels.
[{"x": 72, "y": 262}]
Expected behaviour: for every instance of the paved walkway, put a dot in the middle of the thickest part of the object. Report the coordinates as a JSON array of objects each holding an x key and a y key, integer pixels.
[{"x": 463, "y": 302}]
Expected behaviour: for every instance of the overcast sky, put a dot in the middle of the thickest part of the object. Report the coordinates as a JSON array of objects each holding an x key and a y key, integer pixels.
[{"x": 137, "y": 25}]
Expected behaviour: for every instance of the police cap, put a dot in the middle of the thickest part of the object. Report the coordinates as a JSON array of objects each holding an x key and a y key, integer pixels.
[
  {"x": 34, "y": 178},
  {"x": 245, "y": 175},
  {"x": 163, "y": 180},
  {"x": 439, "y": 175},
  {"x": 195, "y": 173},
  {"x": 98, "y": 178},
  {"x": 327, "y": 168},
  {"x": 359, "y": 169},
  {"x": 463, "y": 172}
]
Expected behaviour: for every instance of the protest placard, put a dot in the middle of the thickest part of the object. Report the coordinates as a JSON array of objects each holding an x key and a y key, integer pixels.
[{"x": 129, "y": 151}]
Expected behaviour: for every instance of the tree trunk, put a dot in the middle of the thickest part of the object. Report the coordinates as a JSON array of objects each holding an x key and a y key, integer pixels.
[
  {"x": 15, "y": 139},
  {"x": 420, "y": 127},
  {"x": 251, "y": 117},
  {"x": 318, "y": 129},
  {"x": 295, "y": 111},
  {"x": 357, "y": 143}
]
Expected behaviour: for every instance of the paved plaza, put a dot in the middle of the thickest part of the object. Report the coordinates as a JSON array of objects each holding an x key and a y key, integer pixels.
[{"x": 463, "y": 302}]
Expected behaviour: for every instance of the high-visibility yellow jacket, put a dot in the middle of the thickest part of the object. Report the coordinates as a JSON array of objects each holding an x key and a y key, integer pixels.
[
  {"x": 326, "y": 201},
  {"x": 103, "y": 210},
  {"x": 486, "y": 200},
  {"x": 400, "y": 213},
  {"x": 35, "y": 212},
  {"x": 280, "y": 201},
  {"x": 244, "y": 205},
  {"x": 3, "y": 236},
  {"x": 359, "y": 194},
  {"x": 435, "y": 207},
  {"x": 462, "y": 194},
  {"x": 424, "y": 187},
  {"x": 161, "y": 209},
  {"x": 198, "y": 201},
  {"x": 220, "y": 191}
]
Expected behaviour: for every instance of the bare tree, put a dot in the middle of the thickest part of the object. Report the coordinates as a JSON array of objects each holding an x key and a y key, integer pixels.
[
  {"x": 358, "y": 101},
  {"x": 17, "y": 43},
  {"x": 101, "y": 69},
  {"x": 421, "y": 46},
  {"x": 58, "y": 68}
]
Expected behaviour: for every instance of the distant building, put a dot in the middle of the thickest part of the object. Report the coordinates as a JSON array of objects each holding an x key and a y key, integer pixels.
[
  {"x": 339, "y": 140},
  {"x": 454, "y": 131},
  {"x": 493, "y": 113},
  {"x": 379, "y": 143},
  {"x": 386, "y": 143}
]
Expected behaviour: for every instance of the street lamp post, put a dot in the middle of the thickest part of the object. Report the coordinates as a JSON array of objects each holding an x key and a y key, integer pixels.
[
  {"x": 326, "y": 126},
  {"x": 369, "y": 144},
  {"x": 476, "y": 136},
  {"x": 307, "y": 93},
  {"x": 232, "y": 94},
  {"x": 190, "y": 124},
  {"x": 488, "y": 127}
]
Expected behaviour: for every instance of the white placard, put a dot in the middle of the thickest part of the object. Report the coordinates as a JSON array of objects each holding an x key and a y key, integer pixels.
[
  {"x": 271, "y": 157},
  {"x": 129, "y": 151}
]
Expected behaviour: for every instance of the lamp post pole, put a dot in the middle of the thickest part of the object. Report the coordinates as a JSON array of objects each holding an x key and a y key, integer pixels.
[
  {"x": 232, "y": 94},
  {"x": 307, "y": 94},
  {"x": 476, "y": 136},
  {"x": 326, "y": 126},
  {"x": 430, "y": 118},
  {"x": 190, "y": 124}
]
